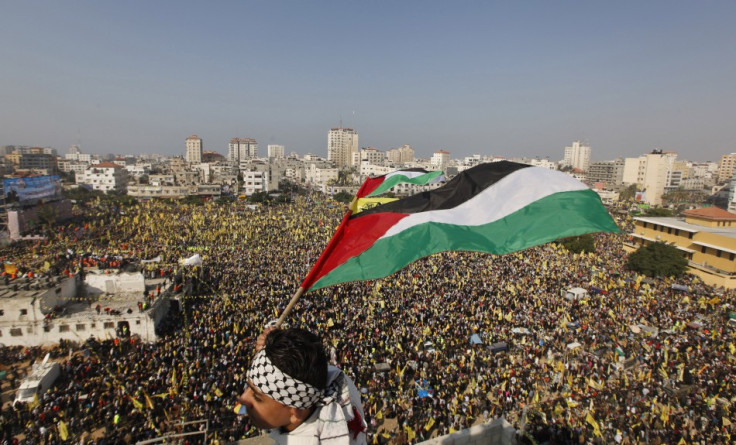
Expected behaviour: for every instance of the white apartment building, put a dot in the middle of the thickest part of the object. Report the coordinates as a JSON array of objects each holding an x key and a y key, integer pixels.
[
  {"x": 577, "y": 156},
  {"x": 650, "y": 173},
  {"x": 401, "y": 155},
  {"x": 194, "y": 147},
  {"x": 105, "y": 177},
  {"x": 367, "y": 169},
  {"x": 255, "y": 181},
  {"x": 440, "y": 159},
  {"x": 275, "y": 151},
  {"x": 341, "y": 144},
  {"x": 138, "y": 170},
  {"x": 314, "y": 175}
]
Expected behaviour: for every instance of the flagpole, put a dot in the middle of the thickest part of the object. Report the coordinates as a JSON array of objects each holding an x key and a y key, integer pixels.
[{"x": 299, "y": 292}]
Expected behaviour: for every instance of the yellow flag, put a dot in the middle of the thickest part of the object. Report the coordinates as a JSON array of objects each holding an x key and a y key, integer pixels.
[
  {"x": 725, "y": 421},
  {"x": 368, "y": 203},
  {"x": 410, "y": 434},
  {"x": 429, "y": 424},
  {"x": 379, "y": 415},
  {"x": 63, "y": 433},
  {"x": 218, "y": 393},
  {"x": 594, "y": 424},
  {"x": 138, "y": 405}
]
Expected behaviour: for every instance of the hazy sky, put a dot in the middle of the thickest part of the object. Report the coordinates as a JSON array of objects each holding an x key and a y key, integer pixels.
[{"x": 511, "y": 78}]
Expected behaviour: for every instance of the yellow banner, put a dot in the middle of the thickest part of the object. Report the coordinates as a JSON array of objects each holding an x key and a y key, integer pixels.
[{"x": 369, "y": 203}]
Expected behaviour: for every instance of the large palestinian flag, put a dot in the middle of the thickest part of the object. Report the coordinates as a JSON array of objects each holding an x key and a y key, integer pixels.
[{"x": 498, "y": 208}]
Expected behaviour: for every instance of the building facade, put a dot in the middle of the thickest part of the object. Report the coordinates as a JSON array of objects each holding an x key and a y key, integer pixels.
[
  {"x": 401, "y": 155},
  {"x": 577, "y": 156},
  {"x": 610, "y": 173},
  {"x": 241, "y": 149},
  {"x": 341, "y": 144},
  {"x": 706, "y": 236},
  {"x": 194, "y": 147},
  {"x": 725, "y": 167},
  {"x": 440, "y": 159},
  {"x": 275, "y": 151},
  {"x": 105, "y": 176}
]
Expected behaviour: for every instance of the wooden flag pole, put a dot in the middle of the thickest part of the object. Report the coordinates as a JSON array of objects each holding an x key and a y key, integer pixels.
[
  {"x": 300, "y": 291},
  {"x": 289, "y": 307}
]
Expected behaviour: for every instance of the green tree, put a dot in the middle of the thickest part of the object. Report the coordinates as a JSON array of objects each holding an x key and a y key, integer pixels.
[
  {"x": 260, "y": 197},
  {"x": 660, "y": 212},
  {"x": 658, "y": 260},
  {"x": 343, "y": 197},
  {"x": 578, "y": 244},
  {"x": 628, "y": 193}
]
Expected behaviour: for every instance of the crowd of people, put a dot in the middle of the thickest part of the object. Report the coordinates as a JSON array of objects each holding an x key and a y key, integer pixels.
[{"x": 635, "y": 361}]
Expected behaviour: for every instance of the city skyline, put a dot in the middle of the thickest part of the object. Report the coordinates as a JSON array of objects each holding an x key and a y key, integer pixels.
[{"x": 516, "y": 80}]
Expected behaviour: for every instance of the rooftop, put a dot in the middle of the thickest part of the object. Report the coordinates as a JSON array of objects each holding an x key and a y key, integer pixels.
[
  {"x": 679, "y": 223},
  {"x": 711, "y": 213}
]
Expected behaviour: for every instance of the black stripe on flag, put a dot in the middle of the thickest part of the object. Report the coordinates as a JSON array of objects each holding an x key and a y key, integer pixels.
[{"x": 459, "y": 189}]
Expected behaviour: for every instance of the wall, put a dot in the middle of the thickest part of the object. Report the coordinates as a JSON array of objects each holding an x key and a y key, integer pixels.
[{"x": 96, "y": 284}]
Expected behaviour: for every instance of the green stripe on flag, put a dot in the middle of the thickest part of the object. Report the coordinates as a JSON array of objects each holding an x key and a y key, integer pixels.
[{"x": 403, "y": 179}]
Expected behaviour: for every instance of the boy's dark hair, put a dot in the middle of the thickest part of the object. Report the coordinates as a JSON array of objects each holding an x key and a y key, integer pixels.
[{"x": 298, "y": 353}]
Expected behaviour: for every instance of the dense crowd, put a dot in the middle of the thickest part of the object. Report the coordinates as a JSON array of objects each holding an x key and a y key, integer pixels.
[{"x": 636, "y": 361}]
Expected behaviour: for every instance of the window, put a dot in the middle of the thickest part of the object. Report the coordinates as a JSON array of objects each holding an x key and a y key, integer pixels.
[
  {"x": 24, "y": 312},
  {"x": 137, "y": 322},
  {"x": 669, "y": 230},
  {"x": 702, "y": 249},
  {"x": 677, "y": 232},
  {"x": 731, "y": 257},
  {"x": 80, "y": 327},
  {"x": 109, "y": 325},
  {"x": 16, "y": 332},
  {"x": 2, "y": 312},
  {"x": 718, "y": 253},
  {"x": 92, "y": 325},
  {"x": 47, "y": 328},
  {"x": 64, "y": 328},
  {"x": 691, "y": 235}
]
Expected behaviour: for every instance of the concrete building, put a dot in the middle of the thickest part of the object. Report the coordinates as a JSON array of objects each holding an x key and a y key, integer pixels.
[
  {"x": 341, "y": 144},
  {"x": 726, "y": 167},
  {"x": 148, "y": 191},
  {"x": 105, "y": 176},
  {"x": 370, "y": 155},
  {"x": 255, "y": 181},
  {"x": 319, "y": 175},
  {"x": 610, "y": 173},
  {"x": 241, "y": 149},
  {"x": 577, "y": 156},
  {"x": 706, "y": 236},
  {"x": 649, "y": 172},
  {"x": 401, "y": 155},
  {"x": 194, "y": 147},
  {"x": 275, "y": 151},
  {"x": 46, "y": 311},
  {"x": 440, "y": 159}
]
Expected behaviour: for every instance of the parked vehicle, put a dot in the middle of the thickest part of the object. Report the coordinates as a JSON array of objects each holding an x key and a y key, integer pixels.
[{"x": 42, "y": 377}]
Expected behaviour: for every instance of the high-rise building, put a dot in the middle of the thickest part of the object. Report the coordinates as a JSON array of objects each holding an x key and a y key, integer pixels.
[
  {"x": 725, "y": 167},
  {"x": 577, "y": 156},
  {"x": 193, "y": 153},
  {"x": 241, "y": 149},
  {"x": 401, "y": 155},
  {"x": 371, "y": 155},
  {"x": 341, "y": 144},
  {"x": 275, "y": 151}
]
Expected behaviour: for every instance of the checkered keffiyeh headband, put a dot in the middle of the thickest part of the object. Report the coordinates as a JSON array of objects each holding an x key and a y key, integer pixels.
[{"x": 281, "y": 387}]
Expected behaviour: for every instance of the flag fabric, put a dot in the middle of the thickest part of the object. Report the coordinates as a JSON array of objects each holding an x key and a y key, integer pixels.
[
  {"x": 382, "y": 184},
  {"x": 497, "y": 208}
]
